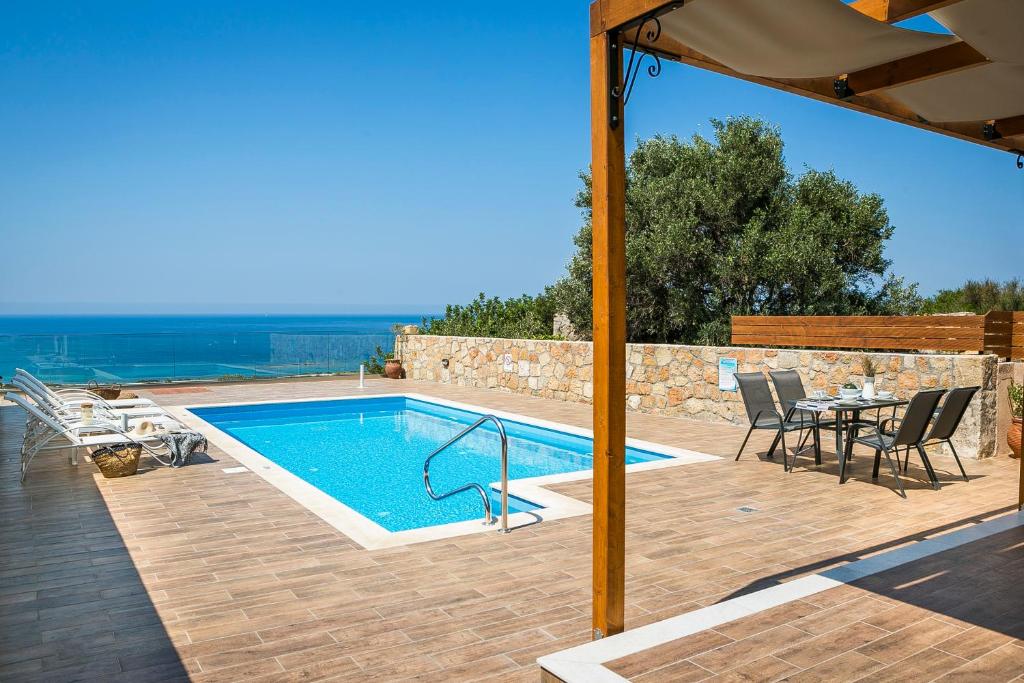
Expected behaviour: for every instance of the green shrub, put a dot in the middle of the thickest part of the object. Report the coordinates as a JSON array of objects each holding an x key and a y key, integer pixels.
[
  {"x": 524, "y": 317},
  {"x": 978, "y": 296},
  {"x": 375, "y": 363},
  {"x": 1016, "y": 395}
]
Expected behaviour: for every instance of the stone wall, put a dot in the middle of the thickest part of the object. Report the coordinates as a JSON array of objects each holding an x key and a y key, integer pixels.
[{"x": 683, "y": 380}]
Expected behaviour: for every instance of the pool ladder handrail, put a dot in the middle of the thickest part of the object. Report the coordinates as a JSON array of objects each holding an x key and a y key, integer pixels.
[{"x": 488, "y": 518}]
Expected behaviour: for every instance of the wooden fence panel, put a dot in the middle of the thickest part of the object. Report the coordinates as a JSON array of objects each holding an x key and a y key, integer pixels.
[
  {"x": 1001, "y": 333},
  {"x": 1017, "y": 343},
  {"x": 904, "y": 333}
]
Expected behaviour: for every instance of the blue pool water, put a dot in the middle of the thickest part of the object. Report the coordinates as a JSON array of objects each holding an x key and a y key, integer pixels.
[{"x": 369, "y": 453}]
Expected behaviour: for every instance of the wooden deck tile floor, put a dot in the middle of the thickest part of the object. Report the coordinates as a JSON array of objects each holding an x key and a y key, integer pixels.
[
  {"x": 957, "y": 615},
  {"x": 198, "y": 574}
]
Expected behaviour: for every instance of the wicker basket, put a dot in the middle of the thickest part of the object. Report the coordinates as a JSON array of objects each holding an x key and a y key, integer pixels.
[
  {"x": 118, "y": 461},
  {"x": 107, "y": 393}
]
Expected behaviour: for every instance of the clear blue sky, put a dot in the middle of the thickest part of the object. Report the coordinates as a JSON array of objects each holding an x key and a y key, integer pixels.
[{"x": 255, "y": 156}]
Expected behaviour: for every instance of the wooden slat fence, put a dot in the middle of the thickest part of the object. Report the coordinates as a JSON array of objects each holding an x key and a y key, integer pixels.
[
  {"x": 1017, "y": 344},
  {"x": 1001, "y": 333}
]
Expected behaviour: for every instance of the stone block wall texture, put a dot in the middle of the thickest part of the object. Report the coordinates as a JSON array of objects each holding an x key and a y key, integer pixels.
[{"x": 683, "y": 380}]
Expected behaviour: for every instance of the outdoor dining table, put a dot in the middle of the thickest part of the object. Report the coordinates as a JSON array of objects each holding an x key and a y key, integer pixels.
[{"x": 842, "y": 408}]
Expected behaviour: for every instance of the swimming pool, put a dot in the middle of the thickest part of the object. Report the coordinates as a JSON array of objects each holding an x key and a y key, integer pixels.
[{"x": 369, "y": 453}]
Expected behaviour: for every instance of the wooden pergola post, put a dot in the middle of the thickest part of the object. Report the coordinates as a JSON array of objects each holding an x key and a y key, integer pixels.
[{"x": 609, "y": 267}]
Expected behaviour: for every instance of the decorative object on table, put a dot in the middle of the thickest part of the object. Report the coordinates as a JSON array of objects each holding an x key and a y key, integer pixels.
[
  {"x": 849, "y": 391},
  {"x": 107, "y": 392},
  {"x": 86, "y": 413},
  {"x": 1013, "y": 434},
  {"x": 393, "y": 369},
  {"x": 869, "y": 369},
  {"x": 121, "y": 460},
  {"x": 182, "y": 446}
]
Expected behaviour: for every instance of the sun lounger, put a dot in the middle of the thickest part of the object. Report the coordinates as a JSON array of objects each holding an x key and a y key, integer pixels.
[
  {"x": 70, "y": 409},
  {"x": 76, "y": 395},
  {"x": 46, "y": 431}
]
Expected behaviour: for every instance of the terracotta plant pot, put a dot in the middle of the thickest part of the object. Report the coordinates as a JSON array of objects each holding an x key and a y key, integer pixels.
[
  {"x": 393, "y": 369},
  {"x": 1013, "y": 436}
]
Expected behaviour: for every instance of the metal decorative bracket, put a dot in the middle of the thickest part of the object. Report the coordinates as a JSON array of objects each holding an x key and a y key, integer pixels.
[
  {"x": 623, "y": 84},
  {"x": 842, "y": 88}
]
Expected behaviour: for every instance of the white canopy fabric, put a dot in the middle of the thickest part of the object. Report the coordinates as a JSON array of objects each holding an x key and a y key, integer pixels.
[
  {"x": 995, "y": 28},
  {"x": 992, "y": 91},
  {"x": 792, "y": 39}
]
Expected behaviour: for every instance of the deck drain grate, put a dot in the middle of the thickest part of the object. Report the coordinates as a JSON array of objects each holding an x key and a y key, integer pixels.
[
  {"x": 747, "y": 508},
  {"x": 235, "y": 470}
]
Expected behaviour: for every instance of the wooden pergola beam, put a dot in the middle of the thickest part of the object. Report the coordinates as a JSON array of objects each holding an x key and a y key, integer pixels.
[
  {"x": 606, "y": 15},
  {"x": 892, "y": 11},
  {"x": 915, "y": 68},
  {"x": 1011, "y": 127}
]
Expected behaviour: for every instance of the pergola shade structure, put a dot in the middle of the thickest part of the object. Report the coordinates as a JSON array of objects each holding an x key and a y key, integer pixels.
[{"x": 967, "y": 84}]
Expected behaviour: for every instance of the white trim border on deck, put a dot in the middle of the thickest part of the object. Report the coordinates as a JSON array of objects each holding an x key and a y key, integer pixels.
[{"x": 586, "y": 663}]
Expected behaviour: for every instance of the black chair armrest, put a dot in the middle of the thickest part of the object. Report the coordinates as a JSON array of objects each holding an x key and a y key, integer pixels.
[{"x": 888, "y": 422}]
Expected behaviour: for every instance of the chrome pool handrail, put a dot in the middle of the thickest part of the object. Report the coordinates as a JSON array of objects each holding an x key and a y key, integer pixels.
[{"x": 488, "y": 518}]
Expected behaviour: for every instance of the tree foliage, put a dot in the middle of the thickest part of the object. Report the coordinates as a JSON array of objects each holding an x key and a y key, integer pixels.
[
  {"x": 720, "y": 227},
  {"x": 978, "y": 296},
  {"x": 525, "y": 317}
]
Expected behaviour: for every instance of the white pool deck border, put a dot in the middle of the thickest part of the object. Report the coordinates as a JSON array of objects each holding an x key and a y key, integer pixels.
[
  {"x": 586, "y": 663},
  {"x": 371, "y": 535}
]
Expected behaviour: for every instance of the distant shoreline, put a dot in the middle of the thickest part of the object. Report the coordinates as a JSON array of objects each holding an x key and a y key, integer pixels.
[{"x": 359, "y": 323}]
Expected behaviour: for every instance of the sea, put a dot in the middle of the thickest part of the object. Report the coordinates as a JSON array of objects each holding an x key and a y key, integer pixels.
[{"x": 125, "y": 349}]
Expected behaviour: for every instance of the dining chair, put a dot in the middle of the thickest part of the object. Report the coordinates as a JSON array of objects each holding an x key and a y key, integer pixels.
[
  {"x": 947, "y": 421},
  {"x": 762, "y": 413},
  {"x": 910, "y": 434},
  {"x": 789, "y": 387}
]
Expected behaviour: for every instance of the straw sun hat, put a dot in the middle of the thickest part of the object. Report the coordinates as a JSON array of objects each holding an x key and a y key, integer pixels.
[{"x": 144, "y": 428}]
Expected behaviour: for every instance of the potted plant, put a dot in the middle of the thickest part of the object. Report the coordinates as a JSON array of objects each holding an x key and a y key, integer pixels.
[
  {"x": 869, "y": 368},
  {"x": 1013, "y": 434},
  {"x": 393, "y": 368},
  {"x": 385, "y": 364}
]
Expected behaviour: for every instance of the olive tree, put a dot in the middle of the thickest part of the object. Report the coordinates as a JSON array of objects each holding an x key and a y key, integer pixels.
[{"x": 720, "y": 227}]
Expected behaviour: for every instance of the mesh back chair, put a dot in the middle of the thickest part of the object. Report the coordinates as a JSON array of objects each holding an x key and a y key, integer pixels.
[
  {"x": 909, "y": 434},
  {"x": 763, "y": 414},
  {"x": 790, "y": 389},
  {"x": 945, "y": 425}
]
